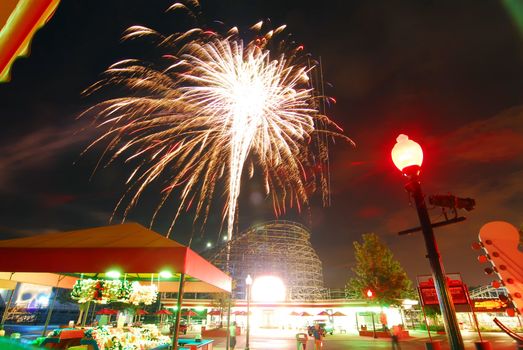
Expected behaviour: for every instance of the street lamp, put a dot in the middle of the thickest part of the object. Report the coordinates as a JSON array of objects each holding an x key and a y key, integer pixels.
[
  {"x": 407, "y": 155},
  {"x": 248, "y": 283}
]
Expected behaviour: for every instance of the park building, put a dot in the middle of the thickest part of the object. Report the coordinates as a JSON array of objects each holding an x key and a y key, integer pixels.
[{"x": 287, "y": 290}]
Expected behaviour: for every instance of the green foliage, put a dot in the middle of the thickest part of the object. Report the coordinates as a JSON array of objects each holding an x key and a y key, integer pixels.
[
  {"x": 433, "y": 314},
  {"x": 377, "y": 269},
  {"x": 222, "y": 301},
  {"x": 432, "y": 328},
  {"x": 63, "y": 296}
]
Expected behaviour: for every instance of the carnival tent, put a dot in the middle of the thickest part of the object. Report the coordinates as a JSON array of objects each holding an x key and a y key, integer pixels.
[
  {"x": 139, "y": 254},
  {"x": 59, "y": 259}
]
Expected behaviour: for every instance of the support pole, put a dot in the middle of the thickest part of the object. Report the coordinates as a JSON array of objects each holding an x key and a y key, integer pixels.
[
  {"x": 179, "y": 300},
  {"x": 228, "y": 337},
  {"x": 80, "y": 315},
  {"x": 50, "y": 312},
  {"x": 93, "y": 314},
  {"x": 426, "y": 323},
  {"x": 51, "y": 308},
  {"x": 373, "y": 325},
  {"x": 403, "y": 318},
  {"x": 438, "y": 274},
  {"x": 86, "y": 312},
  {"x": 424, "y": 314},
  {"x": 248, "y": 317},
  {"x": 9, "y": 302}
]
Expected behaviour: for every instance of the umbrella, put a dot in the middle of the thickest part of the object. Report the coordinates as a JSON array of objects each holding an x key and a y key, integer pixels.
[
  {"x": 337, "y": 313},
  {"x": 106, "y": 311},
  {"x": 214, "y": 313},
  {"x": 140, "y": 312},
  {"x": 294, "y": 313},
  {"x": 240, "y": 313},
  {"x": 323, "y": 313},
  {"x": 163, "y": 312},
  {"x": 305, "y": 313},
  {"x": 189, "y": 313}
]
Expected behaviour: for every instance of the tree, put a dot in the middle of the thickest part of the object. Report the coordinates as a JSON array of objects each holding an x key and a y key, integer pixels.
[
  {"x": 377, "y": 270},
  {"x": 221, "y": 301}
]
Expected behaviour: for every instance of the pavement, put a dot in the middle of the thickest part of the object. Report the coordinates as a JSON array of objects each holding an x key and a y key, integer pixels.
[
  {"x": 285, "y": 340},
  {"x": 276, "y": 339}
]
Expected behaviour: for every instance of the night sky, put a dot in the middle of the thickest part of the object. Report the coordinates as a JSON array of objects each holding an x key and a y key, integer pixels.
[{"x": 447, "y": 73}]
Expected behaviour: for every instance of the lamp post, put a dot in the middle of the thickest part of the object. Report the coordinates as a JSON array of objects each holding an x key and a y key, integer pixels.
[
  {"x": 248, "y": 283},
  {"x": 407, "y": 155},
  {"x": 370, "y": 295}
]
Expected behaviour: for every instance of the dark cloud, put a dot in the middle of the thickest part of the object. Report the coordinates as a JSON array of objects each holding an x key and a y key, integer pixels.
[
  {"x": 36, "y": 149},
  {"x": 495, "y": 139}
]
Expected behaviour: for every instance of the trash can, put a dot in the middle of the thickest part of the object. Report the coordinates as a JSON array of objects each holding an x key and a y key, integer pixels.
[
  {"x": 433, "y": 345},
  {"x": 301, "y": 341},
  {"x": 483, "y": 345}
]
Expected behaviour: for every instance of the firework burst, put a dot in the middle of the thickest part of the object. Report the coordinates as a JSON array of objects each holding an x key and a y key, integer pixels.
[{"x": 217, "y": 108}]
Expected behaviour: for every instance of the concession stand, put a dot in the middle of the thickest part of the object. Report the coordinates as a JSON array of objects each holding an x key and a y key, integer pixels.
[{"x": 139, "y": 256}]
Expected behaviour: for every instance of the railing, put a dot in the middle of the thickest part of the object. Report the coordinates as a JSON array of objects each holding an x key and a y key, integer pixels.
[{"x": 510, "y": 333}]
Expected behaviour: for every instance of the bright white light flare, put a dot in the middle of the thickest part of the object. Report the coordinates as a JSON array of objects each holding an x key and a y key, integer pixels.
[{"x": 268, "y": 289}]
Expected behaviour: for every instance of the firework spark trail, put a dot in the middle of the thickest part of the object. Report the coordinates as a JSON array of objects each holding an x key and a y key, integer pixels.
[{"x": 219, "y": 105}]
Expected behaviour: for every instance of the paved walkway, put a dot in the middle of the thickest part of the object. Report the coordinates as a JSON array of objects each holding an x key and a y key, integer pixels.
[
  {"x": 285, "y": 340},
  {"x": 264, "y": 339}
]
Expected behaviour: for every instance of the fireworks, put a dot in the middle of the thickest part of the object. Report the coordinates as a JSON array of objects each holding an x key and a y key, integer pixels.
[{"x": 217, "y": 108}]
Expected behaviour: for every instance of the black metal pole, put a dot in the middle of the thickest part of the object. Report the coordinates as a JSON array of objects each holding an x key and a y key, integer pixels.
[
  {"x": 248, "y": 317},
  {"x": 373, "y": 326},
  {"x": 438, "y": 274},
  {"x": 178, "y": 311}
]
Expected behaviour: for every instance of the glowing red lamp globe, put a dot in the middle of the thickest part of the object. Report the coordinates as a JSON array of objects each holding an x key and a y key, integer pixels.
[{"x": 407, "y": 154}]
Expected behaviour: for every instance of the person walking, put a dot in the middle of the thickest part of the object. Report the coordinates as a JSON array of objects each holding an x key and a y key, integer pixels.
[
  {"x": 395, "y": 334},
  {"x": 317, "y": 334},
  {"x": 232, "y": 335}
]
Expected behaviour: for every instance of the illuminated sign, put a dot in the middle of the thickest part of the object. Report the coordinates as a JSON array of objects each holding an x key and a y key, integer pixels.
[
  {"x": 429, "y": 296},
  {"x": 33, "y": 296},
  {"x": 489, "y": 305}
]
